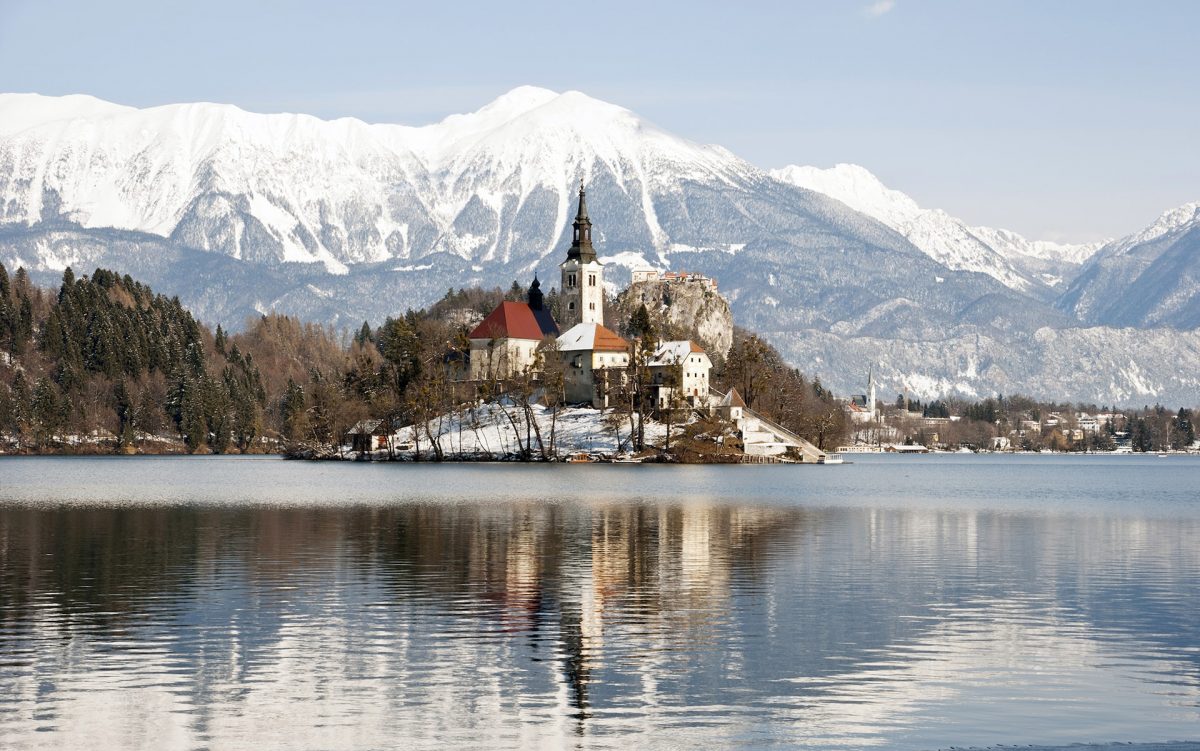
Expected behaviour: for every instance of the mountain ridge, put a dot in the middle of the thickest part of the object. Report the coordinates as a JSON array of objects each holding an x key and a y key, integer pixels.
[
  {"x": 1029, "y": 266},
  {"x": 338, "y": 221}
]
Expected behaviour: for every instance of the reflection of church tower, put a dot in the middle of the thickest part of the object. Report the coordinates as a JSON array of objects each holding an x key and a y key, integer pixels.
[{"x": 582, "y": 275}]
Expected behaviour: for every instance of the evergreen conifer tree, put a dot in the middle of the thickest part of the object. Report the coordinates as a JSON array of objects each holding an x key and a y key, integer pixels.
[
  {"x": 123, "y": 404},
  {"x": 364, "y": 334},
  {"x": 294, "y": 412}
]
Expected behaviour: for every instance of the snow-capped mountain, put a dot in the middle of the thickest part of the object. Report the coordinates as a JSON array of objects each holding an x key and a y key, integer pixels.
[
  {"x": 341, "y": 221},
  {"x": 1150, "y": 278},
  {"x": 282, "y": 188},
  {"x": 1029, "y": 266}
]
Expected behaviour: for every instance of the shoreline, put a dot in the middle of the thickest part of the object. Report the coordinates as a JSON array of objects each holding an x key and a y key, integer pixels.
[{"x": 407, "y": 457}]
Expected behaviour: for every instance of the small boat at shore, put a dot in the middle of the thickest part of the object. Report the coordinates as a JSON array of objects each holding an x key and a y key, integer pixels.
[{"x": 581, "y": 457}]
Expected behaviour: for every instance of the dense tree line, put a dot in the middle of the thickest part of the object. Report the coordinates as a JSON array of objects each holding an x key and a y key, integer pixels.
[{"x": 106, "y": 360}]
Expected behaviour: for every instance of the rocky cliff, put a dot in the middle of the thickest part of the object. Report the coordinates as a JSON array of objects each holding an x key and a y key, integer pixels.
[{"x": 690, "y": 309}]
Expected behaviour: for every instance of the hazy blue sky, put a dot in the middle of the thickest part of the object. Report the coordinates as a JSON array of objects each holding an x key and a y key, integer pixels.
[{"x": 1066, "y": 120}]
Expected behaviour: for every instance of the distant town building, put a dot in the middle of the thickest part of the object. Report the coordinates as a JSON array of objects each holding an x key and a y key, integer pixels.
[
  {"x": 673, "y": 277},
  {"x": 732, "y": 406}
]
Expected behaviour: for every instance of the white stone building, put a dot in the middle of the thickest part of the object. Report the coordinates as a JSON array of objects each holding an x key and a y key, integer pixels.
[
  {"x": 594, "y": 360},
  {"x": 505, "y": 344},
  {"x": 680, "y": 368}
]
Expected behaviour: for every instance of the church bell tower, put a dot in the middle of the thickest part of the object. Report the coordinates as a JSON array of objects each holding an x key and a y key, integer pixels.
[{"x": 582, "y": 275}]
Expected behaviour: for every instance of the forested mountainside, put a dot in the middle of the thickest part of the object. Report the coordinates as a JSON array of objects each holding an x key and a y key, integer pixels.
[{"x": 105, "y": 356}]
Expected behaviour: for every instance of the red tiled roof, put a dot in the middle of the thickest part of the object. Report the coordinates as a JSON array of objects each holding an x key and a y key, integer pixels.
[
  {"x": 510, "y": 319},
  {"x": 609, "y": 340},
  {"x": 591, "y": 337}
]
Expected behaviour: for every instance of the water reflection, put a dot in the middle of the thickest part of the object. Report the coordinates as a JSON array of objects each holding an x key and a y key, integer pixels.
[{"x": 520, "y": 624}]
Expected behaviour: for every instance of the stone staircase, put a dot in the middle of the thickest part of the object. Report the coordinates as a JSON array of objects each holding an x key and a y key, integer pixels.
[{"x": 764, "y": 437}]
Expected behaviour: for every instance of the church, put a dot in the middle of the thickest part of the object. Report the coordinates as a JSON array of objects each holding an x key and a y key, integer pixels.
[
  {"x": 861, "y": 408},
  {"x": 509, "y": 341},
  {"x": 592, "y": 355}
]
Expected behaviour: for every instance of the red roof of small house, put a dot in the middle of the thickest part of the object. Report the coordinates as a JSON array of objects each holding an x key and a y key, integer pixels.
[
  {"x": 513, "y": 320},
  {"x": 606, "y": 339}
]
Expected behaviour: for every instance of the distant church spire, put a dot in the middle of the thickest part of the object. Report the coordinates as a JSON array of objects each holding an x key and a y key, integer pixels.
[
  {"x": 581, "y": 241},
  {"x": 871, "y": 389}
]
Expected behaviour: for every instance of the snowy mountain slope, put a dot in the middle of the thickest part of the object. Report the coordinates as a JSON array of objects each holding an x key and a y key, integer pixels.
[
  {"x": 1032, "y": 267},
  {"x": 240, "y": 213},
  {"x": 1051, "y": 263},
  {"x": 255, "y": 187},
  {"x": 1150, "y": 278},
  {"x": 1100, "y": 365},
  {"x": 494, "y": 187},
  {"x": 279, "y": 188}
]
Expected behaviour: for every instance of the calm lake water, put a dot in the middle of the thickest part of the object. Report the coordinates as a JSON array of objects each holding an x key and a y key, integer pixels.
[{"x": 893, "y": 603}]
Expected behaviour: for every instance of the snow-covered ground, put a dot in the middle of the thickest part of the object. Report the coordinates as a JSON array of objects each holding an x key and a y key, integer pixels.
[{"x": 487, "y": 431}]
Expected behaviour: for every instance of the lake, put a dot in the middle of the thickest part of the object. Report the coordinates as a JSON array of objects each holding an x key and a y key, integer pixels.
[{"x": 913, "y": 602}]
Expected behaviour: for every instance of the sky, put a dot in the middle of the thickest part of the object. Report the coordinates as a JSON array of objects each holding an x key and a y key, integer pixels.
[{"x": 1073, "y": 121}]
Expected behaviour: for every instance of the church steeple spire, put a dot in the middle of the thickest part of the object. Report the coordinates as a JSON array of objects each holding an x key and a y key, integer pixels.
[
  {"x": 582, "y": 287},
  {"x": 871, "y": 390},
  {"x": 582, "y": 213},
  {"x": 581, "y": 241}
]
